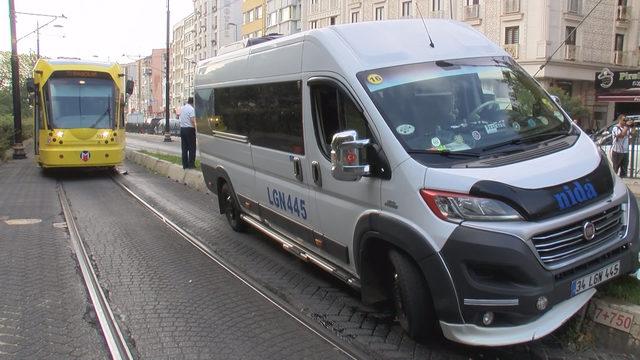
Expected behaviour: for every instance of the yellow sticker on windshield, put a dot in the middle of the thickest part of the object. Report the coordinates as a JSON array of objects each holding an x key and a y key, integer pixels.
[{"x": 374, "y": 79}]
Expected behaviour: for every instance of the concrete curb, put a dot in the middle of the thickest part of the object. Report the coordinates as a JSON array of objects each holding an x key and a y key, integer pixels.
[
  {"x": 614, "y": 324},
  {"x": 191, "y": 178}
]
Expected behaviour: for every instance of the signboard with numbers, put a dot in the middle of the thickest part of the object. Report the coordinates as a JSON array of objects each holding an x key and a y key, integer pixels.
[{"x": 608, "y": 316}]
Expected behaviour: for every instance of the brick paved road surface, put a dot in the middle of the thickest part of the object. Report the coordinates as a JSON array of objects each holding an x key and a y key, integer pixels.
[
  {"x": 316, "y": 294},
  {"x": 173, "y": 301},
  {"x": 44, "y": 311}
]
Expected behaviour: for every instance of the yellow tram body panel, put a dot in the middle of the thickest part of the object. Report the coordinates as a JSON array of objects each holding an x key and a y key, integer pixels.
[{"x": 79, "y": 113}]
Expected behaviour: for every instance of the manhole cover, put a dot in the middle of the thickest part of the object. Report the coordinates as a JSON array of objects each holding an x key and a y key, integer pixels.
[
  {"x": 22, "y": 221},
  {"x": 60, "y": 225}
]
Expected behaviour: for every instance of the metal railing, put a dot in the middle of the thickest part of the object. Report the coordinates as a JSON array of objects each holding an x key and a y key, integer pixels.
[
  {"x": 571, "y": 52},
  {"x": 512, "y": 49},
  {"x": 622, "y": 13},
  {"x": 510, "y": 6},
  {"x": 633, "y": 167},
  {"x": 472, "y": 11}
]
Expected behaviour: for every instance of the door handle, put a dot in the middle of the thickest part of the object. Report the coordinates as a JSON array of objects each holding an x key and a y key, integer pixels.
[
  {"x": 315, "y": 173},
  {"x": 297, "y": 168}
]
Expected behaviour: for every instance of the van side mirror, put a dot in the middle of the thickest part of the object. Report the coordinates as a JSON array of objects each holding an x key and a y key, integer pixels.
[
  {"x": 348, "y": 156},
  {"x": 31, "y": 85},
  {"x": 129, "y": 87}
]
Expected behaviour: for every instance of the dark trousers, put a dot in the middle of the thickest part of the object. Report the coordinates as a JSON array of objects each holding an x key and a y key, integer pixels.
[
  {"x": 188, "y": 140},
  {"x": 620, "y": 162}
]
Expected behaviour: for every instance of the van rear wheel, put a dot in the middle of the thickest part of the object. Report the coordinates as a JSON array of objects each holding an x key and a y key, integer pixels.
[
  {"x": 411, "y": 298},
  {"x": 231, "y": 208}
]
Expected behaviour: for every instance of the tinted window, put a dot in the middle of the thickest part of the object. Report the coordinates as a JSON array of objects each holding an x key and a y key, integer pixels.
[
  {"x": 269, "y": 114},
  {"x": 333, "y": 112}
]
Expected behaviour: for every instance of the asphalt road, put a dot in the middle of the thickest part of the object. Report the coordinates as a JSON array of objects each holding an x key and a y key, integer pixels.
[{"x": 154, "y": 143}]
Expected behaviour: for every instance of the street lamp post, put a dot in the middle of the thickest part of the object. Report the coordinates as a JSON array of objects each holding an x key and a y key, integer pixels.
[
  {"x": 18, "y": 148},
  {"x": 235, "y": 30},
  {"x": 167, "y": 129},
  {"x": 38, "y": 27}
]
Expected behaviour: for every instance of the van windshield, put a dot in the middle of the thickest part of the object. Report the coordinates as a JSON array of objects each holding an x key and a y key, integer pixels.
[{"x": 466, "y": 107}]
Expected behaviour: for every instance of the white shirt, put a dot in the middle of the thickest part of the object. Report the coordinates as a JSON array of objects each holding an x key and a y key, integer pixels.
[
  {"x": 619, "y": 145},
  {"x": 187, "y": 112}
]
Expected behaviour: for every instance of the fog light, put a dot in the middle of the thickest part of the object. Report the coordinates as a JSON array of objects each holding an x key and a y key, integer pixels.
[
  {"x": 542, "y": 303},
  {"x": 487, "y": 318}
]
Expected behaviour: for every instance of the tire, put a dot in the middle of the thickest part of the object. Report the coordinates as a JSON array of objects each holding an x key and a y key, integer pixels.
[
  {"x": 231, "y": 208},
  {"x": 411, "y": 298}
]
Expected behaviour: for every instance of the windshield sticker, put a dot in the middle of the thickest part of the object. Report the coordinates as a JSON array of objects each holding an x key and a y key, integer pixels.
[
  {"x": 493, "y": 127},
  {"x": 476, "y": 135},
  {"x": 435, "y": 142},
  {"x": 405, "y": 129},
  {"x": 458, "y": 139},
  {"x": 374, "y": 79},
  {"x": 515, "y": 126},
  {"x": 531, "y": 123}
]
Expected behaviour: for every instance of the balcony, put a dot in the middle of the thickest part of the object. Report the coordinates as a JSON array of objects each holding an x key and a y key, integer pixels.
[
  {"x": 510, "y": 6},
  {"x": 623, "y": 13},
  {"x": 619, "y": 57},
  {"x": 571, "y": 52},
  {"x": 574, "y": 7},
  {"x": 472, "y": 12},
  {"x": 512, "y": 49}
]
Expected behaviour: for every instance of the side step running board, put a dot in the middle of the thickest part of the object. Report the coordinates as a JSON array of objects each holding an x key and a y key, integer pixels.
[{"x": 302, "y": 254}]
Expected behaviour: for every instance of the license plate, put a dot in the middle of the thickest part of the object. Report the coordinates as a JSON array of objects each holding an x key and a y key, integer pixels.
[{"x": 595, "y": 278}]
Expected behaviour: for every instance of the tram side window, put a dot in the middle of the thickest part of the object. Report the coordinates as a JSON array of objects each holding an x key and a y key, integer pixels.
[{"x": 269, "y": 114}]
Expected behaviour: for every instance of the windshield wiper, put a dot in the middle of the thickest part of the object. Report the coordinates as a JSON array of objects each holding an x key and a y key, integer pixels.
[
  {"x": 447, "y": 153},
  {"x": 527, "y": 139}
]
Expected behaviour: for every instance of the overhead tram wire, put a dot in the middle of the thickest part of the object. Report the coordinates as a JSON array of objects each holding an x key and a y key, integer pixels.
[{"x": 567, "y": 38}]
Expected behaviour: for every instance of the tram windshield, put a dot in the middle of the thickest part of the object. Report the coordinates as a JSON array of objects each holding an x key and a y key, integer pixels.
[{"x": 75, "y": 102}]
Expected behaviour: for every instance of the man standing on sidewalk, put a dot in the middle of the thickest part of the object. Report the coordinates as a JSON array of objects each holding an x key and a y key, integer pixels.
[
  {"x": 620, "y": 146},
  {"x": 188, "y": 134}
]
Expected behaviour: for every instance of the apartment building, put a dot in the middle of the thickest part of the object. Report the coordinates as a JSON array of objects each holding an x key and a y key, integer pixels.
[
  {"x": 253, "y": 20},
  {"x": 283, "y": 17},
  {"x": 532, "y": 31}
]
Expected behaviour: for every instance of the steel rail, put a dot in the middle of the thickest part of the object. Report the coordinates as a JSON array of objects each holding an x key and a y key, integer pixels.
[
  {"x": 352, "y": 352},
  {"x": 110, "y": 330}
]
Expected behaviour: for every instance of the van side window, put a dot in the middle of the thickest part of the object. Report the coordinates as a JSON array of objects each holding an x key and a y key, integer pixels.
[
  {"x": 334, "y": 111},
  {"x": 270, "y": 115}
]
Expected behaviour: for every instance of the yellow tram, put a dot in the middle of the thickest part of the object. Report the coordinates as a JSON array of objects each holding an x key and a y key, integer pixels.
[{"x": 79, "y": 113}]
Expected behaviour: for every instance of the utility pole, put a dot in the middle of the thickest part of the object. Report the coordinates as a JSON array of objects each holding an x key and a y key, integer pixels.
[
  {"x": 18, "y": 148},
  {"x": 167, "y": 129}
]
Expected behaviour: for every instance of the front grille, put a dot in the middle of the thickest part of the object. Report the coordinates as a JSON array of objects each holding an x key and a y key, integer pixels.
[{"x": 568, "y": 242}]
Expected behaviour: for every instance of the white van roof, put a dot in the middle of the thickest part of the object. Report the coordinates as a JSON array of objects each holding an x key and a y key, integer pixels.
[{"x": 350, "y": 48}]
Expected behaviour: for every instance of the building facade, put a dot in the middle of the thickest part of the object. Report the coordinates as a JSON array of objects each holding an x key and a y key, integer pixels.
[
  {"x": 533, "y": 32},
  {"x": 283, "y": 17},
  {"x": 253, "y": 18}
]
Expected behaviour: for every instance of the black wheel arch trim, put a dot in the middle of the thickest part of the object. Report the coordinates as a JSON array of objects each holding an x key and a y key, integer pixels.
[{"x": 212, "y": 176}]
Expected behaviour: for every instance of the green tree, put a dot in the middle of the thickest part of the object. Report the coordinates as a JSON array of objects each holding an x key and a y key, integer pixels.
[
  {"x": 572, "y": 105},
  {"x": 27, "y": 62}
]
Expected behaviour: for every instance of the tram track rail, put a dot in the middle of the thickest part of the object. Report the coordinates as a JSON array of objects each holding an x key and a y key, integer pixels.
[
  {"x": 347, "y": 349},
  {"x": 111, "y": 331}
]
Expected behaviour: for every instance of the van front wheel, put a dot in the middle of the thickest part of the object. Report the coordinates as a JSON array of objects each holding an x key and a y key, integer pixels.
[
  {"x": 411, "y": 298},
  {"x": 231, "y": 208}
]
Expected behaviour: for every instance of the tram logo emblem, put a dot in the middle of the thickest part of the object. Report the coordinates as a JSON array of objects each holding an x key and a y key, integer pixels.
[{"x": 85, "y": 156}]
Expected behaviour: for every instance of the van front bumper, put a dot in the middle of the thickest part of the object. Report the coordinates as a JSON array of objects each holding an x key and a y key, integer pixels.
[
  {"x": 500, "y": 336},
  {"x": 500, "y": 273}
]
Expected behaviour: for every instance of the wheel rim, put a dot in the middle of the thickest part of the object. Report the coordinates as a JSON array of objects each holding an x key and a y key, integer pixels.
[
  {"x": 229, "y": 208},
  {"x": 401, "y": 316}
]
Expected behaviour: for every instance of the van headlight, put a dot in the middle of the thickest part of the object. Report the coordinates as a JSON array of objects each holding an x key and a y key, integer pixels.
[{"x": 456, "y": 207}]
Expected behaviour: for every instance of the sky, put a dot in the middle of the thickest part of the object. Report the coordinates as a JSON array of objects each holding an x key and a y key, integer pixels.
[{"x": 106, "y": 30}]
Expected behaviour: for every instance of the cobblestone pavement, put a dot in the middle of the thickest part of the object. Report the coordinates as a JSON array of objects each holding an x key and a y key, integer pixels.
[
  {"x": 172, "y": 300},
  {"x": 44, "y": 308},
  {"x": 316, "y": 294}
]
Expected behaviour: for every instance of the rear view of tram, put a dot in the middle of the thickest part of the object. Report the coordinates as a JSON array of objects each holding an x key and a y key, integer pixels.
[{"x": 79, "y": 113}]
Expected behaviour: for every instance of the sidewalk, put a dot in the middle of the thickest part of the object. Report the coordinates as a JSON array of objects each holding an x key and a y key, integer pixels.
[
  {"x": 44, "y": 311},
  {"x": 633, "y": 184}
]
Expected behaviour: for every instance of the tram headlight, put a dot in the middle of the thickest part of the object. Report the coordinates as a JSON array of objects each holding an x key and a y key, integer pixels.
[
  {"x": 59, "y": 134},
  {"x": 103, "y": 135}
]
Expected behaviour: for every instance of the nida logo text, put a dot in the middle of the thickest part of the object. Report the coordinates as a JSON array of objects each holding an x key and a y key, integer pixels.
[{"x": 571, "y": 196}]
